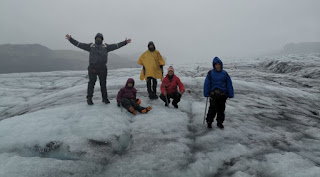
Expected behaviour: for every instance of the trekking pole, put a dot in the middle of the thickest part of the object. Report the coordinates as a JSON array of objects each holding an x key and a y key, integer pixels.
[
  {"x": 167, "y": 100},
  {"x": 205, "y": 111},
  {"x": 165, "y": 87}
]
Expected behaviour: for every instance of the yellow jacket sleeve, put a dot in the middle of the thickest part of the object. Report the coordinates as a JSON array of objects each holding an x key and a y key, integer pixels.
[
  {"x": 140, "y": 61},
  {"x": 161, "y": 60}
]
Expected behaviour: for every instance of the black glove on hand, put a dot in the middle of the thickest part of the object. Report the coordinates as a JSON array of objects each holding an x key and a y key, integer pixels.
[{"x": 161, "y": 67}]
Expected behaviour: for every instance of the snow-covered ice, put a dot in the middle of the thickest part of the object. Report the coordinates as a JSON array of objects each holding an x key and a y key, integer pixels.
[{"x": 271, "y": 128}]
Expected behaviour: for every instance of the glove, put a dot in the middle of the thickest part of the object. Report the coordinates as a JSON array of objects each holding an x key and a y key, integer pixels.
[
  {"x": 118, "y": 104},
  {"x": 161, "y": 67}
]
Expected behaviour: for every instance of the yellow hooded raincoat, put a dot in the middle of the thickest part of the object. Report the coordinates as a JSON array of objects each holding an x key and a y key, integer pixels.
[{"x": 151, "y": 61}]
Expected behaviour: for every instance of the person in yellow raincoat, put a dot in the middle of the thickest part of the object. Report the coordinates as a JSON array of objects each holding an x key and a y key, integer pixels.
[{"x": 152, "y": 63}]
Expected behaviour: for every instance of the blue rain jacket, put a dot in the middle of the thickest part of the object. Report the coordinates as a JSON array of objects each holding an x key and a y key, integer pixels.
[{"x": 220, "y": 80}]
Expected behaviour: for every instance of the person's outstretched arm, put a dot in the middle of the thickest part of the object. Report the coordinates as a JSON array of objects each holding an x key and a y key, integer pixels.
[
  {"x": 111, "y": 47},
  {"x": 83, "y": 46}
]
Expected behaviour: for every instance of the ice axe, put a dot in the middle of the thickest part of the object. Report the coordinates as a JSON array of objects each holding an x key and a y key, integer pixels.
[
  {"x": 167, "y": 99},
  {"x": 165, "y": 87}
]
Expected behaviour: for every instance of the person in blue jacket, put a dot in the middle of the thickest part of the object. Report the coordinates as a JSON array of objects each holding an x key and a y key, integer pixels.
[{"x": 217, "y": 86}]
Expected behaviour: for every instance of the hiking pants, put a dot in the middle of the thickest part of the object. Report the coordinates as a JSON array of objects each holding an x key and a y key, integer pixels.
[
  {"x": 176, "y": 96},
  {"x": 217, "y": 107},
  {"x": 101, "y": 72},
  {"x": 127, "y": 103}
]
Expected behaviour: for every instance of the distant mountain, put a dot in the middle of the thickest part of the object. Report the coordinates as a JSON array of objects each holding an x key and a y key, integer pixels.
[
  {"x": 38, "y": 58},
  {"x": 304, "y": 47}
]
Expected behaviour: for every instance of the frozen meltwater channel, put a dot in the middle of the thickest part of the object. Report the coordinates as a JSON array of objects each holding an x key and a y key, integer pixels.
[{"x": 271, "y": 128}]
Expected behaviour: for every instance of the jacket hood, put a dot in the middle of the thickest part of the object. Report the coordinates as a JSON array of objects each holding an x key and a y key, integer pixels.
[
  {"x": 217, "y": 60},
  {"x": 151, "y": 43},
  {"x": 98, "y": 35},
  {"x": 130, "y": 80}
]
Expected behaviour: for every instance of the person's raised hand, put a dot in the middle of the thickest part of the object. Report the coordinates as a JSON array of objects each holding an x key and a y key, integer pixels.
[
  {"x": 68, "y": 36},
  {"x": 128, "y": 40}
]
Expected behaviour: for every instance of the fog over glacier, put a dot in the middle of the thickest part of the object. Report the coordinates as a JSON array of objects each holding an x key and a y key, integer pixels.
[{"x": 183, "y": 30}]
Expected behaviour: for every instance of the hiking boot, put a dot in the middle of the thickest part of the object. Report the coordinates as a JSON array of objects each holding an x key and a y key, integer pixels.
[
  {"x": 220, "y": 125},
  {"x": 166, "y": 104},
  {"x": 131, "y": 110},
  {"x": 209, "y": 125},
  {"x": 151, "y": 97},
  {"x": 138, "y": 101},
  {"x": 143, "y": 111},
  {"x": 155, "y": 96},
  {"x": 175, "y": 105},
  {"x": 106, "y": 101},
  {"x": 89, "y": 101}
]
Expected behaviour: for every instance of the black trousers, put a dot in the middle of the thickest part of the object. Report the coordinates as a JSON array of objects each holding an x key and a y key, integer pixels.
[
  {"x": 127, "y": 103},
  {"x": 217, "y": 107},
  {"x": 152, "y": 85},
  {"x": 101, "y": 72},
  {"x": 176, "y": 96}
]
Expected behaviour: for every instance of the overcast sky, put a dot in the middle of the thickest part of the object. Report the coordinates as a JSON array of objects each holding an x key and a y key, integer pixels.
[{"x": 182, "y": 30}]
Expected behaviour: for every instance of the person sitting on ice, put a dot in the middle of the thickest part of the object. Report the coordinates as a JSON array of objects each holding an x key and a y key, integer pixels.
[
  {"x": 169, "y": 88},
  {"x": 127, "y": 98},
  {"x": 217, "y": 86}
]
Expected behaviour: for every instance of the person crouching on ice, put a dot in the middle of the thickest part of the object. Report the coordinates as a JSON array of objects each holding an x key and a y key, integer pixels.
[
  {"x": 218, "y": 86},
  {"x": 127, "y": 98},
  {"x": 169, "y": 88}
]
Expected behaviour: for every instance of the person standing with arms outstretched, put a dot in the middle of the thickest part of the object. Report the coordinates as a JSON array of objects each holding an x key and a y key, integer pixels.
[
  {"x": 98, "y": 59},
  {"x": 152, "y": 63}
]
